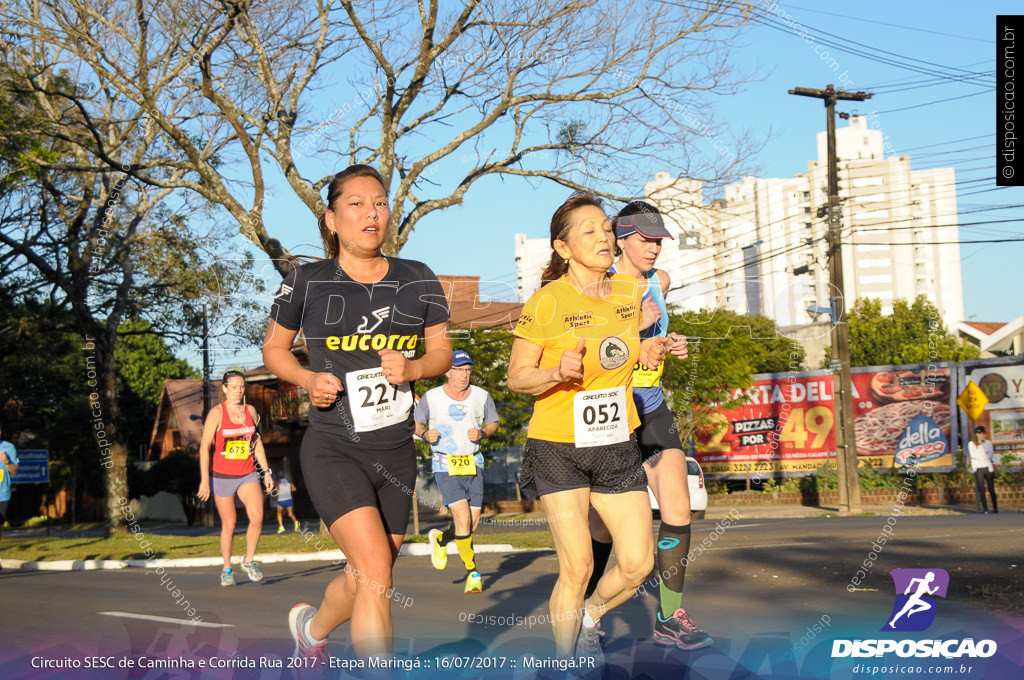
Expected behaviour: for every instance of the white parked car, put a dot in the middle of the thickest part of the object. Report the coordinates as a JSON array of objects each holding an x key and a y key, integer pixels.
[{"x": 698, "y": 492}]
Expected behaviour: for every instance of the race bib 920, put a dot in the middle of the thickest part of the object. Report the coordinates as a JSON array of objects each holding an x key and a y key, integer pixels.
[{"x": 461, "y": 465}]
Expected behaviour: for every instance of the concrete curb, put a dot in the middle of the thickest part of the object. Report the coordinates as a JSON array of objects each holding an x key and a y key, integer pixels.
[
  {"x": 424, "y": 549},
  {"x": 408, "y": 550},
  {"x": 64, "y": 565}
]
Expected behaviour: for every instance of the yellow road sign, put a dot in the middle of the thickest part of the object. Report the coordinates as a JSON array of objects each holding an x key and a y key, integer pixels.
[{"x": 972, "y": 400}]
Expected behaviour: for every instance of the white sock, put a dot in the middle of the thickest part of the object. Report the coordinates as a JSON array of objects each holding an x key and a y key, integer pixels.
[
  {"x": 588, "y": 622},
  {"x": 309, "y": 636}
]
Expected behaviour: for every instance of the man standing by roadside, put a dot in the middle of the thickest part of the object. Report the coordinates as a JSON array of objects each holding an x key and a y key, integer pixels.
[
  {"x": 983, "y": 463},
  {"x": 459, "y": 416},
  {"x": 8, "y": 467}
]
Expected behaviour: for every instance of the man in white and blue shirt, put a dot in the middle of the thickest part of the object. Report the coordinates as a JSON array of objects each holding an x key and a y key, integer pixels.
[{"x": 453, "y": 419}]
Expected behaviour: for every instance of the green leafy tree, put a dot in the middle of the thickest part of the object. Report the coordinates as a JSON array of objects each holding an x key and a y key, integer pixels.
[
  {"x": 726, "y": 349},
  {"x": 912, "y": 334},
  {"x": 45, "y": 390},
  {"x": 98, "y": 245},
  {"x": 43, "y": 387},
  {"x": 490, "y": 350},
  {"x": 144, "y": 362}
]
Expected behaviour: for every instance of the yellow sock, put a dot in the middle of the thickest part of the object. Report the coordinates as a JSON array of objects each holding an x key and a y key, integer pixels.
[{"x": 465, "y": 546}]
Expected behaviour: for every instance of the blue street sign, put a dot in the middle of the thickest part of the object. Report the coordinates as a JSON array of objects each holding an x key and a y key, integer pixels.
[{"x": 33, "y": 467}]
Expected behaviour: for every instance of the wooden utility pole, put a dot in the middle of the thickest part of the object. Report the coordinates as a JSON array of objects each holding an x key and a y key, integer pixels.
[
  {"x": 206, "y": 366},
  {"x": 846, "y": 436},
  {"x": 210, "y": 507}
]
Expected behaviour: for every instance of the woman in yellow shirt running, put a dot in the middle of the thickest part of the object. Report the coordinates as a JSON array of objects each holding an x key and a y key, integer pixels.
[{"x": 577, "y": 340}]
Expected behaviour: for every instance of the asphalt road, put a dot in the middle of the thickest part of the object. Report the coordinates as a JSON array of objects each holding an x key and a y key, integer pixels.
[{"x": 773, "y": 593}]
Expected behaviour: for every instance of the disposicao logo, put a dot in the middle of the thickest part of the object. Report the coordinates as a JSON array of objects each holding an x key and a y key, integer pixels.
[
  {"x": 914, "y": 610},
  {"x": 921, "y": 441}
]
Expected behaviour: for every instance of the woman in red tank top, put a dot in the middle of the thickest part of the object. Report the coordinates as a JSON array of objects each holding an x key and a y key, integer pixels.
[{"x": 231, "y": 429}]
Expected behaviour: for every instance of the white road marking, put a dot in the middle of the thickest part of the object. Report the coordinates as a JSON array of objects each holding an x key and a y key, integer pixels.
[
  {"x": 1001, "y": 533},
  {"x": 165, "y": 619}
]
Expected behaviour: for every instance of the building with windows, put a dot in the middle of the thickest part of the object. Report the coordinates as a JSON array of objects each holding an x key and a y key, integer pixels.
[
  {"x": 532, "y": 256},
  {"x": 761, "y": 248}
]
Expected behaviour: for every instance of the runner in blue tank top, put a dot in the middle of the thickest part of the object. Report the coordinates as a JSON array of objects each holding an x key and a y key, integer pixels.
[{"x": 639, "y": 230}]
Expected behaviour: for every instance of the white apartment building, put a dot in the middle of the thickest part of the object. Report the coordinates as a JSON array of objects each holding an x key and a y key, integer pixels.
[
  {"x": 687, "y": 221},
  {"x": 532, "y": 257},
  {"x": 762, "y": 248}
]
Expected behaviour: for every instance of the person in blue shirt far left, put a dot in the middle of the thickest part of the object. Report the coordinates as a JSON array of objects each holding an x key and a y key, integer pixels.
[{"x": 8, "y": 467}]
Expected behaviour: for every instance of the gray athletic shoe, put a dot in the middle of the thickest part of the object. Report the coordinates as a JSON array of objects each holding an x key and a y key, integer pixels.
[
  {"x": 680, "y": 630},
  {"x": 311, "y": 654},
  {"x": 227, "y": 577},
  {"x": 252, "y": 570},
  {"x": 588, "y": 645}
]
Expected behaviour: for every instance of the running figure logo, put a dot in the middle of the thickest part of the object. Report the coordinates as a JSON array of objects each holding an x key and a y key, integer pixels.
[
  {"x": 379, "y": 315},
  {"x": 914, "y": 610}
]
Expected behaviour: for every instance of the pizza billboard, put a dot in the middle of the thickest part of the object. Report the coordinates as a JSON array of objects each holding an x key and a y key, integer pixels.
[
  {"x": 904, "y": 415},
  {"x": 787, "y": 426},
  {"x": 1002, "y": 381}
]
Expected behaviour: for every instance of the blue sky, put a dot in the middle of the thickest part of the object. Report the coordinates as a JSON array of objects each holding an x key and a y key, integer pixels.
[
  {"x": 947, "y": 124},
  {"x": 944, "y": 36}
]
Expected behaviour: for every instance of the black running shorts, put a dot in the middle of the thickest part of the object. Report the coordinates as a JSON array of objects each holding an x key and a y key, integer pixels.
[
  {"x": 341, "y": 477},
  {"x": 657, "y": 432},
  {"x": 549, "y": 467}
]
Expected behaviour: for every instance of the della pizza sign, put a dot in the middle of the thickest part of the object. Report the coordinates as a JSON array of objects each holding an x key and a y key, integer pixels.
[
  {"x": 921, "y": 442},
  {"x": 904, "y": 415}
]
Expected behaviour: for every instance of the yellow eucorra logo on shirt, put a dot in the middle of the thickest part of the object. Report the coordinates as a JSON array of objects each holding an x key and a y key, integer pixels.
[{"x": 379, "y": 341}]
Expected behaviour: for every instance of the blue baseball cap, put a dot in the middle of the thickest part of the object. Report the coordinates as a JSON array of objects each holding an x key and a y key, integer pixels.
[{"x": 461, "y": 358}]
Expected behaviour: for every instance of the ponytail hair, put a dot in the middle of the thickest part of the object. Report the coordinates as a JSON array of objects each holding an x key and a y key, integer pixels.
[
  {"x": 561, "y": 224},
  {"x": 334, "y": 189}
]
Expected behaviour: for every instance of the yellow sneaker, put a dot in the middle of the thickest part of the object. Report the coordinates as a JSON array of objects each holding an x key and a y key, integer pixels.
[
  {"x": 474, "y": 584},
  {"x": 439, "y": 558}
]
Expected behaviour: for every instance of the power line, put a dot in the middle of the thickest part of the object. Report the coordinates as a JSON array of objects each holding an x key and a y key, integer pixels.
[
  {"x": 952, "y": 141},
  {"x": 960, "y": 243},
  {"x": 877, "y": 54},
  {"x": 939, "y": 101},
  {"x": 902, "y": 85},
  {"x": 882, "y": 23}
]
